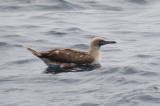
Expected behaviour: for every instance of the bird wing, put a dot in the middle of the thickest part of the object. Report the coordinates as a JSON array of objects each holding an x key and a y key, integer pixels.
[{"x": 68, "y": 56}]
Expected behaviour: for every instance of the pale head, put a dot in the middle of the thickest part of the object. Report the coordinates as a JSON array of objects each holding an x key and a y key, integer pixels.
[
  {"x": 94, "y": 48},
  {"x": 99, "y": 41}
]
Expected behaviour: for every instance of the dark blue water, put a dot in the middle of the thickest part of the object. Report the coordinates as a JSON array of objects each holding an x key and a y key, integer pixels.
[{"x": 130, "y": 70}]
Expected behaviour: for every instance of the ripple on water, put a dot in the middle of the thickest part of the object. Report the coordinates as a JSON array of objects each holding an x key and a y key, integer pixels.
[
  {"x": 11, "y": 36},
  {"x": 138, "y": 1},
  {"x": 129, "y": 70},
  {"x": 106, "y": 7},
  {"x": 109, "y": 70},
  {"x": 62, "y": 5},
  {"x": 9, "y": 45},
  {"x": 69, "y": 80},
  {"x": 88, "y": 104},
  {"x": 134, "y": 98},
  {"x": 143, "y": 56},
  {"x": 80, "y": 46},
  {"x": 56, "y": 33},
  {"x": 74, "y": 29},
  {"x": 39, "y": 5},
  {"x": 3, "y": 44},
  {"x": 13, "y": 90},
  {"x": 7, "y": 79},
  {"x": 20, "y": 61},
  {"x": 148, "y": 98},
  {"x": 147, "y": 73},
  {"x": 9, "y": 8}
]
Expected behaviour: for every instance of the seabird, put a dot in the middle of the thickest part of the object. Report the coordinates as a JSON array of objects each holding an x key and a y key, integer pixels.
[{"x": 71, "y": 57}]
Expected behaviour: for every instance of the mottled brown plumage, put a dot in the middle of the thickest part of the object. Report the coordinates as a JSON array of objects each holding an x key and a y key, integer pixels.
[{"x": 70, "y": 57}]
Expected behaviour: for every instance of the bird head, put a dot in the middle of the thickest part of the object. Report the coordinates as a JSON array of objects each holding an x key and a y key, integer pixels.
[{"x": 98, "y": 42}]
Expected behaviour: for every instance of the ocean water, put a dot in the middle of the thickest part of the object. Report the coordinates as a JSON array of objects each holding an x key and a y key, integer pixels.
[{"x": 129, "y": 74}]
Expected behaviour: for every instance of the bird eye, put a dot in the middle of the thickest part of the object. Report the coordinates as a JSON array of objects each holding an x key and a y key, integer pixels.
[{"x": 100, "y": 41}]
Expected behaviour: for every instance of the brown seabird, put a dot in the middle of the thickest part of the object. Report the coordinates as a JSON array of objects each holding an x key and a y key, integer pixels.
[{"x": 71, "y": 57}]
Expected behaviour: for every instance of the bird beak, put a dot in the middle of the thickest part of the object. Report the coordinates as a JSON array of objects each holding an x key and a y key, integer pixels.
[
  {"x": 109, "y": 42},
  {"x": 103, "y": 42}
]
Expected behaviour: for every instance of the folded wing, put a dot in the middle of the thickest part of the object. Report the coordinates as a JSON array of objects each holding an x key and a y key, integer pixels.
[{"x": 68, "y": 56}]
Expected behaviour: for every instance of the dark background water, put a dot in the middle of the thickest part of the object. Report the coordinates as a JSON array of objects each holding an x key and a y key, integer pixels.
[{"x": 130, "y": 70}]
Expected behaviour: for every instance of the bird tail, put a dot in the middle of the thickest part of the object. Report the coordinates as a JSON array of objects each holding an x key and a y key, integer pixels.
[{"x": 33, "y": 51}]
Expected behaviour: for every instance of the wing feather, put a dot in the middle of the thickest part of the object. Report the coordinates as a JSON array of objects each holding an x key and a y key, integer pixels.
[{"x": 68, "y": 56}]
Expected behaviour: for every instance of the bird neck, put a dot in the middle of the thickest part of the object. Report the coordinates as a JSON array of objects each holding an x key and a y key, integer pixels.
[{"x": 95, "y": 52}]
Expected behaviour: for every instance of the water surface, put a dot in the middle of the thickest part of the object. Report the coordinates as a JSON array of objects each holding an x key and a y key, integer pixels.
[{"x": 129, "y": 73}]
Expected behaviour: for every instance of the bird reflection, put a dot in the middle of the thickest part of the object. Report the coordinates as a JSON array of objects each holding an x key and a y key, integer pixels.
[{"x": 79, "y": 68}]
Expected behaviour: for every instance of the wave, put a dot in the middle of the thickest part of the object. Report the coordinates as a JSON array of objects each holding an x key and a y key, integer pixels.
[
  {"x": 3, "y": 44},
  {"x": 9, "y": 45},
  {"x": 52, "y": 5},
  {"x": 11, "y": 36},
  {"x": 80, "y": 46},
  {"x": 138, "y": 1},
  {"x": 143, "y": 56},
  {"x": 38, "y": 5},
  {"x": 55, "y": 33}
]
